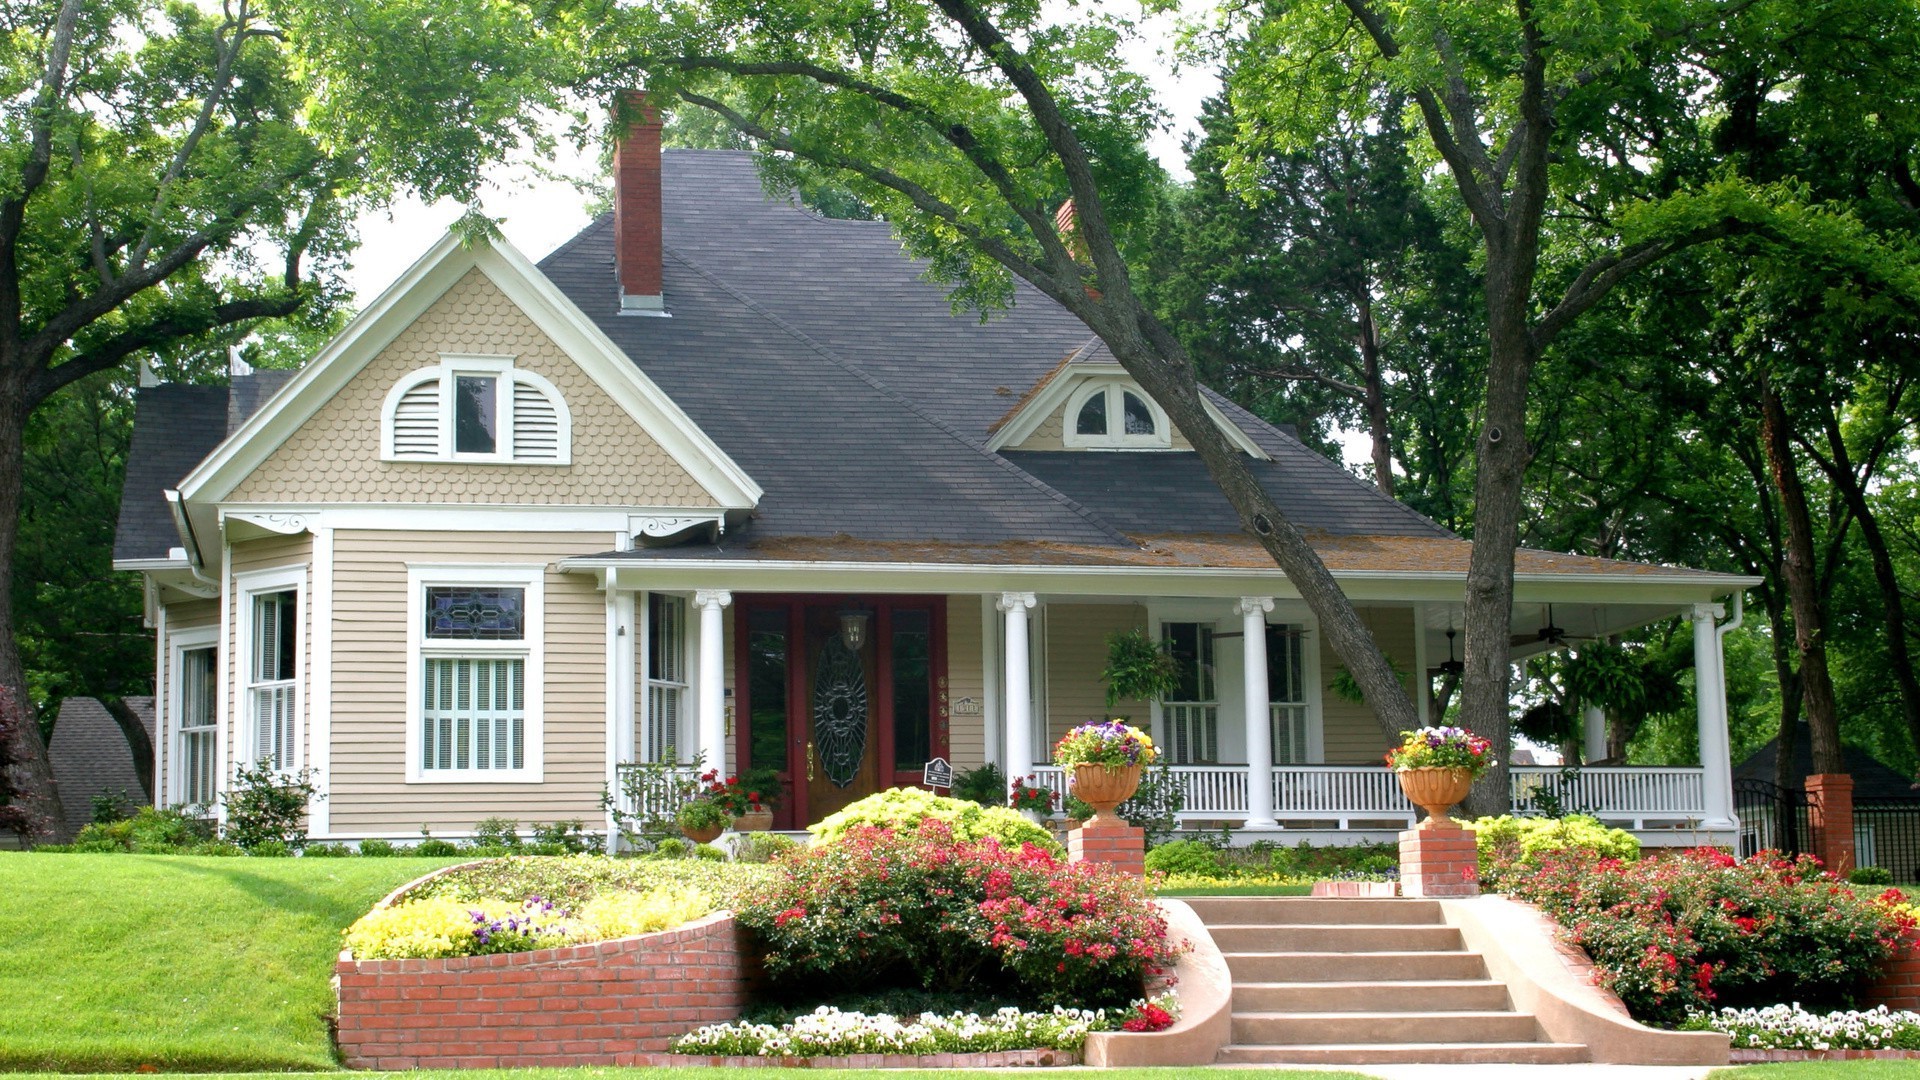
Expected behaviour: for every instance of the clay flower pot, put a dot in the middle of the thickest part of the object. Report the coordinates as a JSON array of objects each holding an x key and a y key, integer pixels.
[
  {"x": 754, "y": 821},
  {"x": 1435, "y": 791},
  {"x": 1105, "y": 787},
  {"x": 706, "y": 835}
]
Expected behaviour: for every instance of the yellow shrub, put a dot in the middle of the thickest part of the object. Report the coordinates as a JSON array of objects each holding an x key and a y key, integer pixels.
[
  {"x": 624, "y": 914},
  {"x": 437, "y": 926}
]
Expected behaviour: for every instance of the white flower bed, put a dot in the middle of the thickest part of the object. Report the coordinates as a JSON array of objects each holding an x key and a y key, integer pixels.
[
  {"x": 828, "y": 1032},
  {"x": 1789, "y": 1027}
]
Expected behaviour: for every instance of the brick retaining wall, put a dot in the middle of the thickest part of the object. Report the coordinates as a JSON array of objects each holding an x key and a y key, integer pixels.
[
  {"x": 1898, "y": 986},
  {"x": 598, "y": 1004}
]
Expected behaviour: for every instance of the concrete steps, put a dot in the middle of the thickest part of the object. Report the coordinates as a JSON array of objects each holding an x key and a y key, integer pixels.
[{"x": 1363, "y": 981}]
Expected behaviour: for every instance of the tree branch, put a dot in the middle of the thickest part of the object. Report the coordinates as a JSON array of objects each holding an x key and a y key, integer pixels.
[
  {"x": 222, "y": 76},
  {"x": 1598, "y": 277}
]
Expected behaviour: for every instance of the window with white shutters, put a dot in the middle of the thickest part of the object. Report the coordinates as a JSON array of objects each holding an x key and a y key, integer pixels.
[{"x": 476, "y": 409}]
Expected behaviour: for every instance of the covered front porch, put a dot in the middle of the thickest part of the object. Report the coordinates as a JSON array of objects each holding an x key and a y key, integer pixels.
[{"x": 772, "y": 674}]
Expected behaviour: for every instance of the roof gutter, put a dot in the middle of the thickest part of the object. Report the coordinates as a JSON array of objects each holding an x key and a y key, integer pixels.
[{"x": 191, "y": 543}]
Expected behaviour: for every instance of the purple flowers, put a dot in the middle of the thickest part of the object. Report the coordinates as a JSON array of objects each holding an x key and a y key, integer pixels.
[
  {"x": 1105, "y": 742},
  {"x": 537, "y": 917}
]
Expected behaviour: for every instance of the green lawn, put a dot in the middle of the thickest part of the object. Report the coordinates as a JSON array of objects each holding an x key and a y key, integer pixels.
[
  {"x": 779, "y": 1074},
  {"x": 1822, "y": 1070},
  {"x": 119, "y": 961}
]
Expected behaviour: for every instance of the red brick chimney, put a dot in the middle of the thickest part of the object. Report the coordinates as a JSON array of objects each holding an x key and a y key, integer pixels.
[{"x": 636, "y": 205}]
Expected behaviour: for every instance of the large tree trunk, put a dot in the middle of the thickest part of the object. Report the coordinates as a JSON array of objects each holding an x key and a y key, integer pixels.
[
  {"x": 1892, "y": 601},
  {"x": 1376, "y": 400},
  {"x": 37, "y": 788},
  {"x": 1503, "y": 458},
  {"x": 1809, "y": 633}
]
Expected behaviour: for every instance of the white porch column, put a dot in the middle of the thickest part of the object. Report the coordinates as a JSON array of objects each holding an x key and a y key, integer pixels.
[
  {"x": 713, "y": 667},
  {"x": 1019, "y": 685},
  {"x": 1594, "y": 727},
  {"x": 1710, "y": 705},
  {"x": 1253, "y": 650}
]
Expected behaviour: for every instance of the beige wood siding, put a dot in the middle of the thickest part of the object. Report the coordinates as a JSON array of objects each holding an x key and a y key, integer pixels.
[
  {"x": 966, "y": 733},
  {"x": 369, "y": 792},
  {"x": 1076, "y": 653},
  {"x": 182, "y": 615},
  {"x": 1352, "y": 735},
  {"x": 248, "y": 557},
  {"x": 335, "y": 455}
]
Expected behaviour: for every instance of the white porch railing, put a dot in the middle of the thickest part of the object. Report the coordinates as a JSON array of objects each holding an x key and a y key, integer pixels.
[
  {"x": 650, "y": 801},
  {"x": 1636, "y": 795},
  {"x": 1342, "y": 795}
]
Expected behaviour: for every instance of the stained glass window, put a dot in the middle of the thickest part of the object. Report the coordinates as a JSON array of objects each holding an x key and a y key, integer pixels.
[{"x": 476, "y": 613}]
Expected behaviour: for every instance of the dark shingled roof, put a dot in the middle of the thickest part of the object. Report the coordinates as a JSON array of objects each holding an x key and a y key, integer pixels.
[
  {"x": 175, "y": 427},
  {"x": 825, "y": 363},
  {"x": 1872, "y": 779},
  {"x": 90, "y": 756},
  {"x": 821, "y": 359}
]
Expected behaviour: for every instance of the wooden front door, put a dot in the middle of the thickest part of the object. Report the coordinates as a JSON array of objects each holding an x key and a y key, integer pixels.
[
  {"x": 841, "y": 726},
  {"x": 839, "y": 723}
]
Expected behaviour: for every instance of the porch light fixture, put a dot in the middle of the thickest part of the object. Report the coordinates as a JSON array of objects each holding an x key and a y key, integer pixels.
[{"x": 853, "y": 628}]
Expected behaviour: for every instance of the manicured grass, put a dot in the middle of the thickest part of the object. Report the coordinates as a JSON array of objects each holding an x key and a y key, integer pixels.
[
  {"x": 181, "y": 963},
  {"x": 1236, "y": 890},
  {"x": 1822, "y": 1070}
]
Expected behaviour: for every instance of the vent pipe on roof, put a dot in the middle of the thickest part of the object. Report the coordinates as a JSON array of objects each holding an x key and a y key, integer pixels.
[{"x": 636, "y": 205}]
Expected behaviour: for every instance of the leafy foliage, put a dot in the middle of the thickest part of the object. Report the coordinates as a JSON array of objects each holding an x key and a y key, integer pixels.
[
  {"x": 1511, "y": 846},
  {"x": 986, "y": 785},
  {"x": 268, "y": 807},
  {"x": 1138, "y": 668},
  {"x": 905, "y": 809},
  {"x": 1677, "y": 934},
  {"x": 881, "y": 907}
]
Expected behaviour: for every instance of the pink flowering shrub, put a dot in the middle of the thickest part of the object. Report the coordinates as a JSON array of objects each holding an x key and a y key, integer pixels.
[
  {"x": 1704, "y": 929},
  {"x": 877, "y": 909}
]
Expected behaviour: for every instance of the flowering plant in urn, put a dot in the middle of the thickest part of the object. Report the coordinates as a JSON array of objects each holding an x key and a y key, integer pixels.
[
  {"x": 1442, "y": 748},
  {"x": 1106, "y": 758},
  {"x": 1437, "y": 766},
  {"x": 1105, "y": 742}
]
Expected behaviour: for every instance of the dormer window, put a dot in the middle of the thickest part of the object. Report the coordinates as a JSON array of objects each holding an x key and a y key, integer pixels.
[
  {"x": 476, "y": 408},
  {"x": 1114, "y": 415}
]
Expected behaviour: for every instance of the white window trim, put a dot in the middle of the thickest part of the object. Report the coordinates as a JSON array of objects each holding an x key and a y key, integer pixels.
[
  {"x": 685, "y": 747},
  {"x": 502, "y": 368},
  {"x": 1161, "y": 439},
  {"x": 247, "y": 586},
  {"x": 179, "y": 643},
  {"x": 532, "y": 647},
  {"x": 1284, "y": 613}
]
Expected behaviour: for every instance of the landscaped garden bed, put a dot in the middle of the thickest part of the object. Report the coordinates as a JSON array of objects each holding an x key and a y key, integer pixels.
[{"x": 904, "y": 892}]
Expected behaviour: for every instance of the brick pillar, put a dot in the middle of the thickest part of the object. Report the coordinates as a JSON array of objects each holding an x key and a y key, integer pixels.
[
  {"x": 1439, "y": 862},
  {"x": 1111, "y": 841},
  {"x": 1830, "y": 814}
]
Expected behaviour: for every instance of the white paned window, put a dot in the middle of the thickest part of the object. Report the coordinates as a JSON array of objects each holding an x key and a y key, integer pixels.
[
  {"x": 666, "y": 676},
  {"x": 1191, "y": 713},
  {"x": 272, "y": 691},
  {"x": 1287, "y": 694},
  {"x": 196, "y": 750},
  {"x": 476, "y": 667},
  {"x": 1113, "y": 414},
  {"x": 477, "y": 409}
]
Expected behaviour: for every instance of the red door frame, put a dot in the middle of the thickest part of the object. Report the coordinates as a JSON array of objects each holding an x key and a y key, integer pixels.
[{"x": 793, "y": 806}]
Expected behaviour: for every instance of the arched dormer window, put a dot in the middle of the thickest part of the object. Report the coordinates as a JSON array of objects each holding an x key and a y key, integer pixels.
[
  {"x": 1112, "y": 414},
  {"x": 476, "y": 408}
]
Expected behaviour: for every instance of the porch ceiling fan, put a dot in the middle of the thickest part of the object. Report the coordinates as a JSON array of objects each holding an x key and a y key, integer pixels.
[
  {"x": 1548, "y": 632},
  {"x": 1452, "y": 666}
]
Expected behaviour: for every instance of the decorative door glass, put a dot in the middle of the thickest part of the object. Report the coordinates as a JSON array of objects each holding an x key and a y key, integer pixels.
[{"x": 840, "y": 712}]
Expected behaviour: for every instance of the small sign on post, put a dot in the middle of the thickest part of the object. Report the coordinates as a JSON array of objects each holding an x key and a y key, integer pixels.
[{"x": 937, "y": 773}]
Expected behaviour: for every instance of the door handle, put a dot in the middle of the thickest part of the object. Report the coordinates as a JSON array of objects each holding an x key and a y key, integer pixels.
[{"x": 809, "y": 760}]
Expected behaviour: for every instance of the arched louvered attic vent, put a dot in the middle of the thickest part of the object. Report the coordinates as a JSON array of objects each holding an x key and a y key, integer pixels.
[{"x": 478, "y": 409}]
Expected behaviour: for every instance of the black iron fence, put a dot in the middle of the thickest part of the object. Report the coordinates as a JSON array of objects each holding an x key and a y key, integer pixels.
[
  {"x": 1771, "y": 818},
  {"x": 1886, "y": 832}
]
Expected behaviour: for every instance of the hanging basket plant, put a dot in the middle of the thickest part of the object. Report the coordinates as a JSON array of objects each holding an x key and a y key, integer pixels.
[{"x": 1138, "y": 668}]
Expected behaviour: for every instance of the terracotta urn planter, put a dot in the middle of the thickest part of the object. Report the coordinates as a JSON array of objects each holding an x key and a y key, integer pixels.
[
  {"x": 754, "y": 821},
  {"x": 706, "y": 835},
  {"x": 1105, "y": 787},
  {"x": 1435, "y": 791}
]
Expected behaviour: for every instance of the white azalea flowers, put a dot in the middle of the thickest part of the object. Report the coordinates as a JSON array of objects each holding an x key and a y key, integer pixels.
[{"x": 827, "y": 1031}]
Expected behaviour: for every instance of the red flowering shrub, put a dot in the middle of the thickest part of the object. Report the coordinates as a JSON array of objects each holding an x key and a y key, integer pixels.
[
  {"x": 878, "y": 909},
  {"x": 1704, "y": 928}
]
